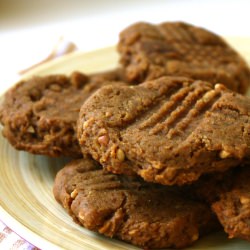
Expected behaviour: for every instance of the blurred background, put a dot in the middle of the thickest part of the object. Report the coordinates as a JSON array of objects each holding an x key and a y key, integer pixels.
[{"x": 30, "y": 29}]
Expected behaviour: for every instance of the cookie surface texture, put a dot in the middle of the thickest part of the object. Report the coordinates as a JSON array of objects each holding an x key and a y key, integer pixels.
[
  {"x": 127, "y": 208},
  {"x": 175, "y": 48},
  {"x": 39, "y": 114},
  {"x": 233, "y": 206},
  {"x": 170, "y": 130}
]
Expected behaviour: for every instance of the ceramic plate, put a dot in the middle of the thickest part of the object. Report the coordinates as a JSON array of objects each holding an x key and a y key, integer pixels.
[{"x": 26, "y": 200}]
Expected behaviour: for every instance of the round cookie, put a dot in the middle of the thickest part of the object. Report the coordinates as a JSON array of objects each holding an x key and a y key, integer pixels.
[
  {"x": 39, "y": 114},
  {"x": 175, "y": 48},
  {"x": 171, "y": 130},
  {"x": 146, "y": 215}
]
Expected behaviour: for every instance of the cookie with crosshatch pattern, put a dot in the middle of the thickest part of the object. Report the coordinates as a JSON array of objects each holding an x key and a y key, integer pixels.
[
  {"x": 127, "y": 208},
  {"x": 171, "y": 130},
  {"x": 149, "y": 51}
]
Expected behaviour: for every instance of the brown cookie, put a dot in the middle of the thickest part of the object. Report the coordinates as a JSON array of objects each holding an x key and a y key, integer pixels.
[
  {"x": 170, "y": 130},
  {"x": 229, "y": 196},
  {"x": 127, "y": 208},
  {"x": 39, "y": 115},
  {"x": 232, "y": 206},
  {"x": 175, "y": 48}
]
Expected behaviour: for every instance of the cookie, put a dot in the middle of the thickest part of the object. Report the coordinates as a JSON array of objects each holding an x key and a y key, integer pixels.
[
  {"x": 233, "y": 205},
  {"x": 39, "y": 114},
  {"x": 170, "y": 130},
  {"x": 175, "y": 48},
  {"x": 127, "y": 208}
]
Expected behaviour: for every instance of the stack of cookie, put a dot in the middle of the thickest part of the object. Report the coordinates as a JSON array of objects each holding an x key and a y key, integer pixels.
[{"x": 163, "y": 142}]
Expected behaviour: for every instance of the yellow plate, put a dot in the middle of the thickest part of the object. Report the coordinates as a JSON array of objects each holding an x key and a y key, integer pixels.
[{"x": 26, "y": 200}]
